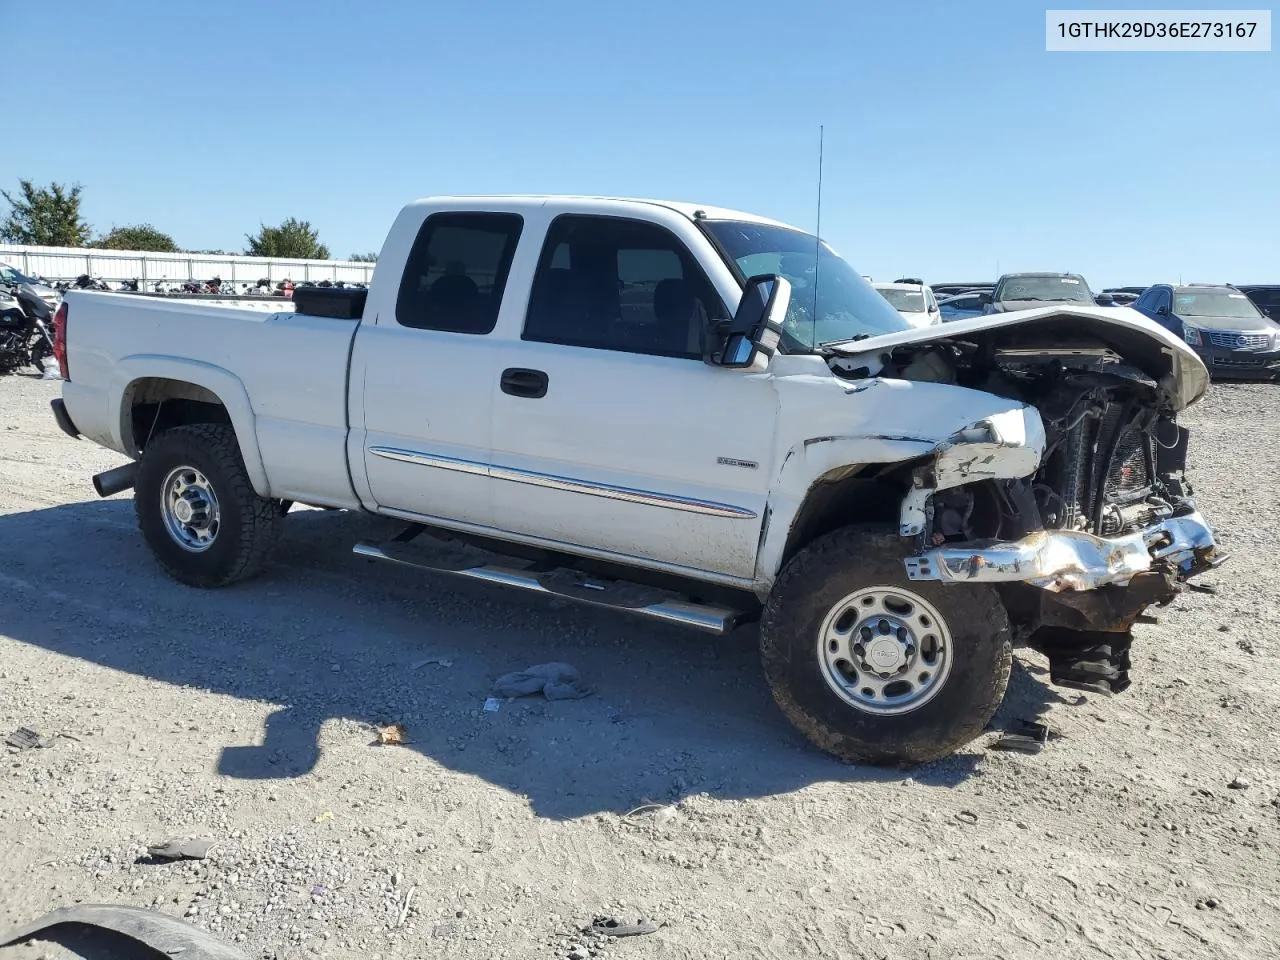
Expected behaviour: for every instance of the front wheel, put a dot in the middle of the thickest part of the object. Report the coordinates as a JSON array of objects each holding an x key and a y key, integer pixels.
[
  {"x": 197, "y": 509},
  {"x": 873, "y": 667}
]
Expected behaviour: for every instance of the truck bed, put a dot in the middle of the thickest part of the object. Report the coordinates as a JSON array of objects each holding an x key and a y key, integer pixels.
[{"x": 283, "y": 372}]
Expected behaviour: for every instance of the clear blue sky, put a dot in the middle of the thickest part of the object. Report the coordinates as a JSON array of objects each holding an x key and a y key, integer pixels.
[{"x": 954, "y": 142}]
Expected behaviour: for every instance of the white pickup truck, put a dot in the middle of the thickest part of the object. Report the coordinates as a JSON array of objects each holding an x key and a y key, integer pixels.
[{"x": 692, "y": 414}]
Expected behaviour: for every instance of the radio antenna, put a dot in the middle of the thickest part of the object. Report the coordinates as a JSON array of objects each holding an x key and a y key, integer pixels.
[{"x": 817, "y": 243}]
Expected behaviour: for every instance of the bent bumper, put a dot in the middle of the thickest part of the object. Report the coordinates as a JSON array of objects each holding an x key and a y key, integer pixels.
[
  {"x": 63, "y": 418},
  {"x": 1059, "y": 560}
]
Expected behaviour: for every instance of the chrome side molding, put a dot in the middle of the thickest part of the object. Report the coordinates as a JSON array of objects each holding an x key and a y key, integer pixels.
[
  {"x": 429, "y": 460},
  {"x": 609, "y": 491}
]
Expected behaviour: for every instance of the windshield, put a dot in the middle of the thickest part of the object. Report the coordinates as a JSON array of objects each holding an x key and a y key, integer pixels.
[
  {"x": 1214, "y": 303},
  {"x": 905, "y": 301},
  {"x": 847, "y": 306},
  {"x": 1044, "y": 288}
]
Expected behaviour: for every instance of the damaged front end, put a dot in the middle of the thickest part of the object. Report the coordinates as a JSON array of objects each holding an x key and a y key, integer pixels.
[{"x": 1075, "y": 506}]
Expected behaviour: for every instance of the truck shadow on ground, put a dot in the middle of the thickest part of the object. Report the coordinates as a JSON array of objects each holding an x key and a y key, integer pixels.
[{"x": 325, "y": 636}]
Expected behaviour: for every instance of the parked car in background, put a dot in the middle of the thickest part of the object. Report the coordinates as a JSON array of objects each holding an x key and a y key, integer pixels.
[
  {"x": 961, "y": 307},
  {"x": 1265, "y": 296},
  {"x": 1025, "y": 291},
  {"x": 913, "y": 300},
  {"x": 1122, "y": 296},
  {"x": 1222, "y": 325},
  {"x": 955, "y": 289}
]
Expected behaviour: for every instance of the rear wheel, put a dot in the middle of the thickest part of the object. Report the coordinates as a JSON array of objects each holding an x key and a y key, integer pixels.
[
  {"x": 873, "y": 667},
  {"x": 197, "y": 509}
]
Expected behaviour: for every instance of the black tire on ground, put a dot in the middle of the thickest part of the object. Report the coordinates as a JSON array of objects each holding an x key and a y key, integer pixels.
[
  {"x": 812, "y": 584},
  {"x": 248, "y": 522}
]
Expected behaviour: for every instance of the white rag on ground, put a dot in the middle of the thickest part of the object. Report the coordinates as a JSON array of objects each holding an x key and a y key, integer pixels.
[{"x": 555, "y": 681}]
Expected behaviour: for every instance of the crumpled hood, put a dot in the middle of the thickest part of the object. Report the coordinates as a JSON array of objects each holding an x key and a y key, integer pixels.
[{"x": 1138, "y": 340}]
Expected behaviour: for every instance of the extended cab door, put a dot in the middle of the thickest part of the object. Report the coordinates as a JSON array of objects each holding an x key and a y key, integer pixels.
[
  {"x": 423, "y": 370},
  {"x": 610, "y": 433}
]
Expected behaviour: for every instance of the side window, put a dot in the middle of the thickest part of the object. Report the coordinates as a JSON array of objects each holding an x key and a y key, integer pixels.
[
  {"x": 457, "y": 270},
  {"x": 615, "y": 284},
  {"x": 1161, "y": 298}
]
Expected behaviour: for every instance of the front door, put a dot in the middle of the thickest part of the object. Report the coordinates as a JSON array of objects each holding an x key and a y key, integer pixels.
[{"x": 631, "y": 445}]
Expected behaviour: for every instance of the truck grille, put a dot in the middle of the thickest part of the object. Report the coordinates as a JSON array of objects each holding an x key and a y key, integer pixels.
[{"x": 1232, "y": 340}]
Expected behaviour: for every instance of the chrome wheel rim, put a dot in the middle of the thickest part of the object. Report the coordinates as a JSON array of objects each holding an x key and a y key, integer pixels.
[
  {"x": 885, "y": 650},
  {"x": 190, "y": 509}
]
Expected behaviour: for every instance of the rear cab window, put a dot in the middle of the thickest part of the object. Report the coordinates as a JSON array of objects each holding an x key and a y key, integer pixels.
[{"x": 457, "y": 272}]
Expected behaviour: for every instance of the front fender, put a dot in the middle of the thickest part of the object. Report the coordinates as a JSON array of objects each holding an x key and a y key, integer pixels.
[
  {"x": 997, "y": 444},
  {"x": 222, "y": 383},
  {"x": 1003, "y": 446}
]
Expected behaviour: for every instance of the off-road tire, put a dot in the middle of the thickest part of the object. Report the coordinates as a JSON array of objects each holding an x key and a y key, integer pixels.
[
  {"x": 249, "y": 523},
  {"x": 816, "y": 579}
]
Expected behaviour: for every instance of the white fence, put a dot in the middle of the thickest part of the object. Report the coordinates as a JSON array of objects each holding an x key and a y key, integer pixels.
[{"x": 67, "y": 263}]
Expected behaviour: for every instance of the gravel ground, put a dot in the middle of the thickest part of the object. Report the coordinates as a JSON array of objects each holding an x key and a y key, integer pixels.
[{"x": 243, "y": 716}]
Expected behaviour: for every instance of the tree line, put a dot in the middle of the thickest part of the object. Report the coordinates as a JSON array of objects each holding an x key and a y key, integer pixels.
[{"x": 50, "y": 217}]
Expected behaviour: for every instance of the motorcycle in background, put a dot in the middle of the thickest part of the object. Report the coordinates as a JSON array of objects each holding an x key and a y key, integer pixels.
[
  {"x": 24, "y": 339},
  {"x": 26, "y": 320}
]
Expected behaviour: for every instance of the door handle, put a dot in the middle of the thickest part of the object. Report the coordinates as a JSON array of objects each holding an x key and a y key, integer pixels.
[{"x": 519, "y": 382}]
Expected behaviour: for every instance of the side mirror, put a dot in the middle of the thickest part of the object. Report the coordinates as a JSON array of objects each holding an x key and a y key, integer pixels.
[
  {"x": 984, "y": 299},
  {"x": 756, "y": 327},
  {"x": 1105, "y": 300},
  {"x": 1163, "y": 311}
]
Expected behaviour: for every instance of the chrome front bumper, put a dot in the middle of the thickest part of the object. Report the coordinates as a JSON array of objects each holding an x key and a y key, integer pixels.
[{"x": 1060, "y": 560}]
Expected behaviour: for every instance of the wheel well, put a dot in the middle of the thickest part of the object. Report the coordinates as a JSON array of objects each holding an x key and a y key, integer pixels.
[
  {"x": 870, "y": 494},
  {"x": 156, "y": 404}
]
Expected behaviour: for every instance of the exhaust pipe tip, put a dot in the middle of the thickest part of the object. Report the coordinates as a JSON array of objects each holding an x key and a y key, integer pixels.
[{"x": 111, "y": 482}]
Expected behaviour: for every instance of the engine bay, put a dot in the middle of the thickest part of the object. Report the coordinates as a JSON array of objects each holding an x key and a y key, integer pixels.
[{"x": 1114, "y": 457}]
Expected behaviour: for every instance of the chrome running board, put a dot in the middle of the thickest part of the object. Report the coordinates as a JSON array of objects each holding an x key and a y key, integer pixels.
[{"x": 571, "y": 585}]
